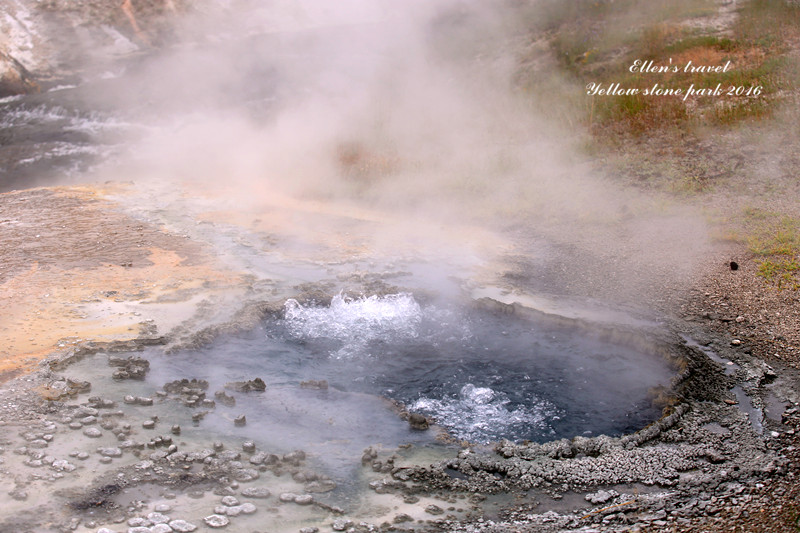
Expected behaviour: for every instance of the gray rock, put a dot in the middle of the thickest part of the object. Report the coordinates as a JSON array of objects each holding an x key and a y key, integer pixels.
[
  {"x": 93, "y": 433},
  {"x": 418, "y": 422},
  {"x": 230, "y": 501},
  {"x": 256, "y": 492},
  {"x": 258, "y": 458},
  {"x": 63, "y": 466},
  {"x": 341, "y": 524},
  {"x": 161, "y": 528},
  {"x": 110, "y": 452},
  {"x": 245, "y": 474},
  {"x": 163, "y": 508},
  {"x": 240, "y": 420},
  {"x": 216, "y": 521},
  {"x": 139, "y": 529},
  {"x": 254, "y": 385},
  {"x": 309, "y": 530},
  {"x": 249, "y": 446},
  {"x": 248, "y": 508},
  {"x": 304, "y": 499},
  {"x": 287, "y": 497},
  {"x": 601, "y": 496},
  {"x": 138, "y": 521},
  {"x": 182, "y": 526},
  {"x": 157, "y": 518}
]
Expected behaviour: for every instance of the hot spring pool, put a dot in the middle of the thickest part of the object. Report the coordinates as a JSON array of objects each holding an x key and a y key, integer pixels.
[{"x": 482, "y": 377}]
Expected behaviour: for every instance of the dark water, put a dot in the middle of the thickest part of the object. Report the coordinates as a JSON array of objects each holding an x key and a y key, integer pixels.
[{"x": 483, "y": 377}]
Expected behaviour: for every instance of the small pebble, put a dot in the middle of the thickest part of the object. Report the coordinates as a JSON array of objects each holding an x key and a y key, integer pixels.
[{"x": 148, "y": 424}]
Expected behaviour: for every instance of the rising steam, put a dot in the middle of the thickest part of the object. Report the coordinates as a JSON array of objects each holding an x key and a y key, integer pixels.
[{"x": 408, "y": 109}]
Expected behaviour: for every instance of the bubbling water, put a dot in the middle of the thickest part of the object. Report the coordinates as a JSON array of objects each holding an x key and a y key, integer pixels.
[
  {"x": 356, "y": 322},
  {"x": 481, "y": 377}
]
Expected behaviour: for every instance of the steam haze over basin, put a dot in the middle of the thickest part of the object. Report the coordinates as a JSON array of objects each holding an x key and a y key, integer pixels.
[{"x": 403, "y": 113}]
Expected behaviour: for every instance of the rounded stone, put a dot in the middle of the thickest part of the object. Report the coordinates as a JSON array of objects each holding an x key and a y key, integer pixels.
[
  {"x": 75, "y": 425},
  {"x": 304, "y": 499},
  {"x": 161, "y": 528},
  {"x": 92, "y": 433},
  {"x": 248, "y": 508},
  {"x": 230, "y": 511},
  {"x": 216, "y": 521},
  {"x": 157, "y": 518},
  {"x": 287, "y": 497},
  {"x": 256, "y": 492},
  {"x": 182, "y": 526},
  {"x": 163, "y": 508},
  {"x": 110, "y": 452},
  {"x": 230, "y": 501}
]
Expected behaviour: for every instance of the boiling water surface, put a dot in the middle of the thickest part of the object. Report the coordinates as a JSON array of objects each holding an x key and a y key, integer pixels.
[{"x": 482, "y": 377}]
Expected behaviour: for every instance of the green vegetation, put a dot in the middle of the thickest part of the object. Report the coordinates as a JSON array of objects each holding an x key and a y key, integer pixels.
[
  {"x": 597, "y": 42},
  {"x": 775, "y": 240}
]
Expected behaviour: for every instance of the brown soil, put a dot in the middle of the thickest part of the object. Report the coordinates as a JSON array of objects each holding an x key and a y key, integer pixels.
[{"x": 73, "y": 268}]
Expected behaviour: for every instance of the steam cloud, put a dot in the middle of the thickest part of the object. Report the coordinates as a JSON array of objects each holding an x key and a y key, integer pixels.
[{"x": 407, "y": 109}]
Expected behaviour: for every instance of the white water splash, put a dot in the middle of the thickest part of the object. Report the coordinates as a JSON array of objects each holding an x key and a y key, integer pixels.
[
  {"x": 481, "y": 414},
  {"x": 356, "y": 322}
]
